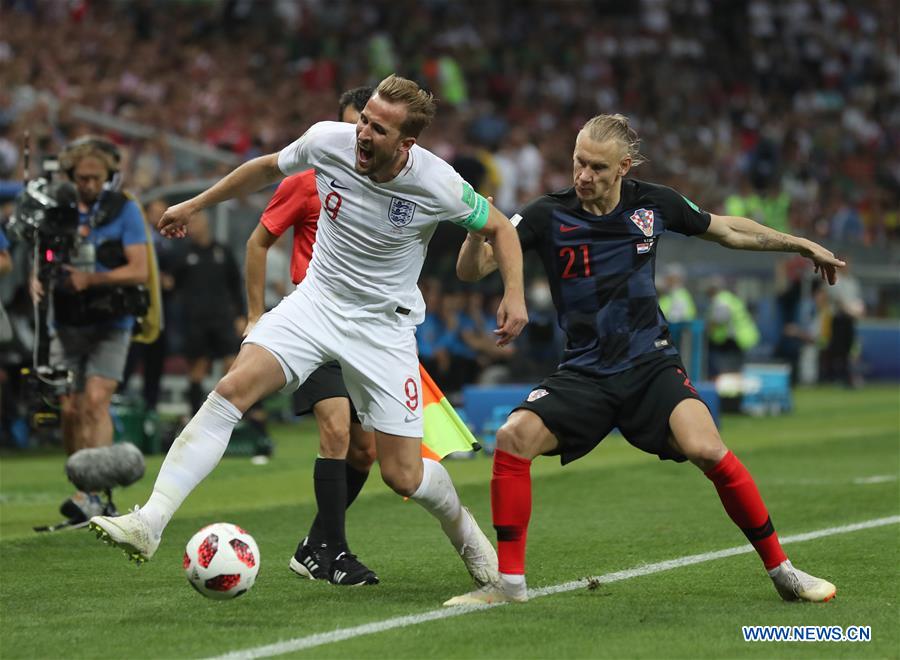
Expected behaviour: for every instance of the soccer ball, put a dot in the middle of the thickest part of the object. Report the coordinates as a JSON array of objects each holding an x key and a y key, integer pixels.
[{"x": 221, "y": 561}]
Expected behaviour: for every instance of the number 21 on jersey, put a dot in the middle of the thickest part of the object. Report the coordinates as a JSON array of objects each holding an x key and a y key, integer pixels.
[{"x": 576, "y": 261}]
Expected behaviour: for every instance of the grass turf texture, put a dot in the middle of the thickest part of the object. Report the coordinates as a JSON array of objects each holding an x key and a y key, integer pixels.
[{"x": 67, "y": 595}]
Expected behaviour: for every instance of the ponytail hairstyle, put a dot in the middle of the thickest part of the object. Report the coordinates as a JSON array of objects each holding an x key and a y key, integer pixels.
[{"x": 616, "y": 127}]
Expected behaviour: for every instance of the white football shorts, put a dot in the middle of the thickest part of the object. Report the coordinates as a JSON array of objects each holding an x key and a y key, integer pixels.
[{"x": 377, "y": 355}]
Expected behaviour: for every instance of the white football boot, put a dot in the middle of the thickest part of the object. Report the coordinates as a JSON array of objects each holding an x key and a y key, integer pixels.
[
  {"x": 491, "y": 594},
  {"x": 793, "y": 584},
  {"x": 477, "y": 552},
  {"x": 130, "y": 532}
]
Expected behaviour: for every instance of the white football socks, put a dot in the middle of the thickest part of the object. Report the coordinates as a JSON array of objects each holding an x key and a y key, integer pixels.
[
  {"x": 512, "y": 581},
  {"x": 437, "y": 495},
  {"x": 196, "y": 451}
]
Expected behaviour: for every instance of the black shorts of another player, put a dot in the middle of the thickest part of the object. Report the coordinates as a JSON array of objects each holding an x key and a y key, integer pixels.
[
  {"x": 326, "y": 382},
  {"x": 210, "y": 338},
  {"x": 581, "y": 410}
]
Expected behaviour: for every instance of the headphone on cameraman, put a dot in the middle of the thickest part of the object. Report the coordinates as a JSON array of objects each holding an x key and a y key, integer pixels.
[{"x": 106, "y": 147}]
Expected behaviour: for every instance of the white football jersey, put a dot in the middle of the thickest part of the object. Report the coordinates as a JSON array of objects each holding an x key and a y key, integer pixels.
[{"x": 372, "y": 237}]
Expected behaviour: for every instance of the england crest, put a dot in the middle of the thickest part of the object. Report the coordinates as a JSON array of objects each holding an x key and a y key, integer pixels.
[
  {"x": 644, "y": 220},
  {"x": 401, "y": 212}
]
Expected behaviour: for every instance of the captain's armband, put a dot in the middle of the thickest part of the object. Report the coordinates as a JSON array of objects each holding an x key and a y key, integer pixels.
[{"x": 480, "y": 209}]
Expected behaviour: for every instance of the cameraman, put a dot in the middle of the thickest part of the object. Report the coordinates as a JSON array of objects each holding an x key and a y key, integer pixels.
[{"x": 110, "y": 257}]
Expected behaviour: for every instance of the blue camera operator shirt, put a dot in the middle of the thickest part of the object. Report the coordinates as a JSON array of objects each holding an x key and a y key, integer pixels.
[
  {"x": 127, "y": 227},
  {"x": 4, "y": 242}
]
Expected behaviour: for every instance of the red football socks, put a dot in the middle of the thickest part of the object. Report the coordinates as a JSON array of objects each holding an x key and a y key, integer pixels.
[
  {"x": 744, "y": 505},
  {"x": 511, "y": 508}
]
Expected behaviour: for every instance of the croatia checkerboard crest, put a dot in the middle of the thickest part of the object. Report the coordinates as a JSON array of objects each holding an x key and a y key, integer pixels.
[
  {"x": 534, "y": 395},
  {"x": 644, "y": 220},
  {"x": 401, "y": 212}
]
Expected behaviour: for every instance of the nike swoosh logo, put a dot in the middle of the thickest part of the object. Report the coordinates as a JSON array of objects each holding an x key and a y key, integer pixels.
[
  {"x": 335, "y": 184},
  {"x": 409, "y": 419},
  {"x": 567, "y": 228}
]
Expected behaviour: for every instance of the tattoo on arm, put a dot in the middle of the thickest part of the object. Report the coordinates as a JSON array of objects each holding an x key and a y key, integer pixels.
[
  {"x": 747, "y": 234},
  {"x": 774, "y": 241}
]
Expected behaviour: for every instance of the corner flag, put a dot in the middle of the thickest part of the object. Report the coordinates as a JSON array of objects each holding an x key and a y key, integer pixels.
[{"x": 444, "y": 432}]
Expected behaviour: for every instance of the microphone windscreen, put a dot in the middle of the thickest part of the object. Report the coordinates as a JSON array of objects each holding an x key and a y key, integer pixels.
[{"x": 99, "y": 468}]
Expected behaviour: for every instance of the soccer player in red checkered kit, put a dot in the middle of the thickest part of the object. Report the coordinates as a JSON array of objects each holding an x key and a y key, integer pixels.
[
  {"x": 598, "y": 241},
  {"x": 382, "y": 197},
  {"x": 346, "y": 450}
]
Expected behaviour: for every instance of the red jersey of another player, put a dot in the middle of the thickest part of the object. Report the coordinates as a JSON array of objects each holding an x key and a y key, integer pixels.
[{"x": 295, "y": 204}]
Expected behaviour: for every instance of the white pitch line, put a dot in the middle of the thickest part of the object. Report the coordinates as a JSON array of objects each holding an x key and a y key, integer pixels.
[
  {"x": 877, "y": 479},
  {"x": 341, "y": 634}
]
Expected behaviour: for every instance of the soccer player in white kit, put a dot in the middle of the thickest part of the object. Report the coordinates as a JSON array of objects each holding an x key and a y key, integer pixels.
[{"x": 382, "y": 196}]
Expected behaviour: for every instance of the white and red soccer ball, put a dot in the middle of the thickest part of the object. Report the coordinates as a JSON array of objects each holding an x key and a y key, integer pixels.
[{"x": 221, "y": 561}]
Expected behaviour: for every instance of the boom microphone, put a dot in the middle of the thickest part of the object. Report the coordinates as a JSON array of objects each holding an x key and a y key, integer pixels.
[{"x": 101, "y": 468}]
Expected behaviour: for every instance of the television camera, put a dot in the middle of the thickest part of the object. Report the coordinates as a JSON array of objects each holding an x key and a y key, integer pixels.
[{"x": 46, "y": 218}]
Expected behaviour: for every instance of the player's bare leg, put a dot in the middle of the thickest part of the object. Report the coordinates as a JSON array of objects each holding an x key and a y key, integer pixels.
[
  {"x": 523, "y": 437},
  {"x": 694, "y": 435},
  {"x": 426, "y": 482},
  {"x": 196, "y": 451},
  {"x": 360, "y": 458},
  {"x": 361, "y": 452}
]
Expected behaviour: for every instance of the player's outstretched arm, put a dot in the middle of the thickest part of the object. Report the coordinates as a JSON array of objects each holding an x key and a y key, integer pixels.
[
  {"x": 245, "y": 179},
  {"x": 746, "y": 234},
  {"x": 507, "y": 252},
  {"x": 255, "y": 273}
]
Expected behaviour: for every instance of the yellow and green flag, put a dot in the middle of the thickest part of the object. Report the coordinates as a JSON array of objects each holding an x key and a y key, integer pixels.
[{"x": 444, "y": 432}]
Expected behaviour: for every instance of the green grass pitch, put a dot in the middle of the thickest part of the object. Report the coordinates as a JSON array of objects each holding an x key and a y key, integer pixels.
[{"x": 834, "y": 462}]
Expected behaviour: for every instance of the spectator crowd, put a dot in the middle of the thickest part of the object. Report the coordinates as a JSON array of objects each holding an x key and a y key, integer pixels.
[{"x": 784, "y": 111}]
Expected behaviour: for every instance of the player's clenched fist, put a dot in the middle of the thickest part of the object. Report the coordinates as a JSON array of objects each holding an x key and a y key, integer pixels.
[{"x": 173, "y": 222}]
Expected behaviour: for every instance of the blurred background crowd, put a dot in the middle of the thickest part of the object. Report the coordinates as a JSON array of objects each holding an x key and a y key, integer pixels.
[{"x": 785, "y": 111}]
